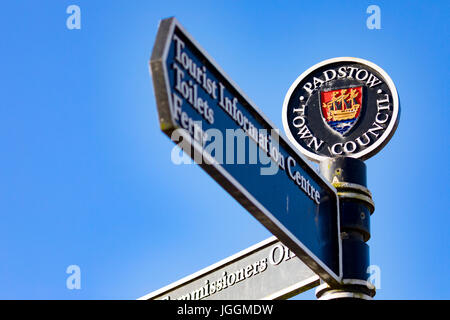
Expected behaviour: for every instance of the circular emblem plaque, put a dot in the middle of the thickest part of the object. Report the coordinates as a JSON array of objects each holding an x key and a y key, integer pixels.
[{"x": 341, "y": 107}]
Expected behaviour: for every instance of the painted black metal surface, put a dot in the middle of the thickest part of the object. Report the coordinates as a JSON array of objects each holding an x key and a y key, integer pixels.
[{"x": 349, "y": 177}]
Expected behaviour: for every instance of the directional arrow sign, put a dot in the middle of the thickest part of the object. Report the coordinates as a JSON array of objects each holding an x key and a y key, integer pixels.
[
  {"x": 202, "y": 110},
  {"x": 268, "y": 270}
]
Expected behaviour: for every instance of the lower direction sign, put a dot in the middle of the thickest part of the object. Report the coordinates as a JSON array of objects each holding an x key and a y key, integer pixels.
[
  {"x": 206, "y": 114},
  {"x": 267, "y": 270}
]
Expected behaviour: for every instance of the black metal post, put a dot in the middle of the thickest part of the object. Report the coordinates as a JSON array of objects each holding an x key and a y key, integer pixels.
[{"x": 348, "y": 176}]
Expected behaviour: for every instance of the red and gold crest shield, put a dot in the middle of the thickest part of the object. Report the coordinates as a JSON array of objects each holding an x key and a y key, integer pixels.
[{"x": 341, "y": 108}]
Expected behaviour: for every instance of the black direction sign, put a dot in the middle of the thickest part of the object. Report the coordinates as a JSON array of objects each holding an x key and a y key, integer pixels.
[{"x": 205, "y": 113}]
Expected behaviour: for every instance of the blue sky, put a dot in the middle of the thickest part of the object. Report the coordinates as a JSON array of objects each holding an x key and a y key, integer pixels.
[{"x": 85, "y": 173}]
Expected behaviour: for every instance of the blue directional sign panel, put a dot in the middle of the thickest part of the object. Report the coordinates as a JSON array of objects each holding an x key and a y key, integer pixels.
[{"x": 206, "y": 114}]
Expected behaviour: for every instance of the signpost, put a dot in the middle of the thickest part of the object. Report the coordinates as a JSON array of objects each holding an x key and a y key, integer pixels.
[
  {"x": 268, "y": 270},
  {"x": 202, "y": 110},
  {"x": 340, "y": 112}
]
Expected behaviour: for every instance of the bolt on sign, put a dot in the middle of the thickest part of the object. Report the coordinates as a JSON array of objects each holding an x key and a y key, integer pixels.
[{"x": 202, "y": 110}]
